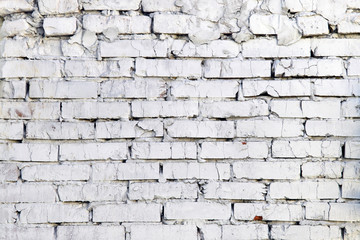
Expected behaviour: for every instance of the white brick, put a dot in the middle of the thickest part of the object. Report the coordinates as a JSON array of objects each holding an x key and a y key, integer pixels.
[
  {"x": 344, "y": 212},
  {"x": 244, "y": 232},
  {"x": 29, "y": 110},
  {"x": 91, "y": 68},
  {"x": 164, "y": 150},
  {"x": 163, "y": 232},
  {"x": 349, "y": 24},
  {"x": 14, "y": 6},
  {"x": 303, "y": 149},
  {"x": 138, "y": 88},
  {"x": 204, "y": 89},
  {"x": 159, "y": 5},
  {"x": 269, "y": 128},
  {"x": 91, "y": 232},
  {"x": 93, "y": 151},
  {"x": 309, "y": 67},
  {"x": 47, "y": 7},
  {"x": 18, "y": 27},
  {"x": 317, "y": 211},
  {"x": 234, "y": 190},
  {"x": 60, "y": 130},
  {"x": 351, "y": 189},
  {"x": 267, "y": 170},
  {"x": 277, "y": 88},
  {"x": 52, "y": 213},
  {"x": 201, "y": 129},
  {"x": 59, "y": 26},
  {"x": 7, "y": 214},
  {"x": 344, "y": 47},
  {"x": 132, "y": 129},
  {"x": 122, "y": 24},
  {"x": 249, "y": 108},
  {"x": 353, "y": 67},
  {"x": 172, "y": 24},
  {"x": 164, "y": 108},
  {"x": 197, "y": 210},
  {"x": 122, "y": 5},
  {"x": 299, "y": 5},
  {"x": 337, "y": 87},
  {"x": 268, "y": 212},
  {"x": 28, "y": 152},
  {"x": 288, "y": 109},
  {"x": 168, "y": 68},
  {"x": 291, "y": 232},
  {"x": 29, "y": 68},
  {"x": 304, "y": 190},
  {"x": 352, "y": 150},
  {"x": 134, "y": 212},
  {"x": 125, "y": 171},
  {"x": 313, "y": 25},
  {"x": 12, "y": 89},
  {"x": 352, "y": 232},
  {"x": 63, "y": 172},
  {"x": 211, "y": 232},
  {"x": 237, "y": 68},
  {"x": 351, "y": 107},
  {"x": 194, "y": 170},
  {"x": 233, "y": 150},
  {"x": 92, "y": 192},
  {"x": 16, "y": 193},
  {"x": 63, "y": 89},
  {"x": 268, "y": 48},
  {"x": 345, "y": 128},
  {"x": 352, "y": 169},
  {"x": 14, "y": 232},
  {"x": 9, "y": 172},
  {"x": 151, "y": 191},
  {"x": 94, "y": 110},
  {"x": 11, "y": 130},
  {"x": 321, "y": 169}
]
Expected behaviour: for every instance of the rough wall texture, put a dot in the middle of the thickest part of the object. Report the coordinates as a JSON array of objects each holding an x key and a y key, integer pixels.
[{"x": 179, "y": 119}]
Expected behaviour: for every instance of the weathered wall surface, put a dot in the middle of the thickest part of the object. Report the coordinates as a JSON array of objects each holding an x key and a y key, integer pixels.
[{"x": 179, "y": 119}]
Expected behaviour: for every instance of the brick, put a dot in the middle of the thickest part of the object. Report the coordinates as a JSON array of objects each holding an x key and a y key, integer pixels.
[
  {"x": 41, "y": 152},
  {"x": 351, "y": 107},
  {"x": 352, "y": 149},
  {"x": 309, "y": 67},
  {"x": 164, "y": 108},
  {"x": 277, "y": 88},
  {"x": 352, "y": 232},
  {"x": 91, "y": 192},
  {"x": 9, "y": 172},
  {"x": 52, "y": 213},
  {"x": 303, "y": 149},
  {"x": 16, "y": 193},
  {"x": 249, "y": 108},
  {"x": 169, "y": 190},
  {"x": 26, "y": 232},
  {"x": 159, "y": 5},
  {"x": 122, "y": 5},
  {"x": 194, "y": 170},
  {"x": 204, "y": 89},
  {"x": 135, "y": 212},
  {"x": 91, "y": 68},
  {"x": 63, "y": 89},
  {"x": 345, "y": 212},
  {"x": 317, "y": 211},
  {"x": 138, "y": 88},
  {"x": 233, "y": 150},
  {"x": 180, "y": 24},
  {"x": 29, "y": 68},
  {"x": 345, "y": 47},
  {"x": 351, "y": 189},
  {"x": 313, "y": 25},
  {"x": 353, "y": 67},
  {"x": 95, "y": 110},
  {"x": 163, "y": 232},
  {"x": 245, "y": 231},
  {"x": 304, "y": 190},
  {"x": 15, "y": 6},
  {"x": 132, "y": 129},
  {"x": 11, "y": 130},
  {"x": 321, "y": 169},
  {"x": 352, "y": 170},
  {"x": 197, "y": 210},
  {"x": 349, "y": 24},
  {"x": 12, "y": 89},
  {"x": 18, "y": 27},
  {"x": 234, "y": 190},
  {"x": 29, "y": 110},
  {"x": 7, "y": 214},
  {"x": 93, "y": 151},
  {"x": 60, "y": 130},
  {"x": 88, "y": 232},
  {"x": 49, "y": 7},
  {"x": 134, "y": 48},
  {"x": 201, "y": 129},
  {"x": 290, "y": 232},
  {"x": 39, "y": 173},
  {"x": 211, "y": 231},
  {"x": 125, "y": 171},
  {"x": 168, "y": 68},
  {"x": 121, "y": 24},
  {"x": 268, "y": 212},
  {"x": 337, "y": 87},
  {"x": 236, "y": 68},
  {"x": 266, "y": 170},
  {"x": 269, "y": 128},
  {"x": 345, "y": 128},
  {"x": 164, "y": 150},
  {"x": 268, "y": 48},
  {"x": 299, "y": 5},
  {"x": 59, "y": 26}
]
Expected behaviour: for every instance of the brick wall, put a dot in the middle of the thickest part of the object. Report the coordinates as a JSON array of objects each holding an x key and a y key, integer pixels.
[{"x": 179, "y": 119}]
